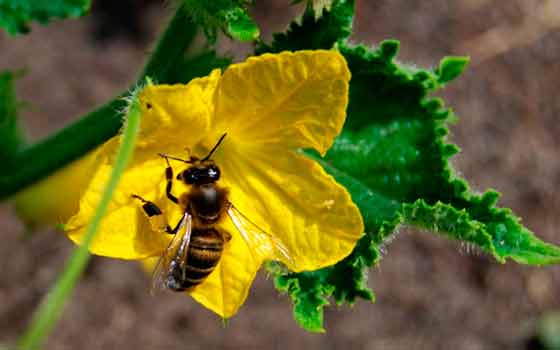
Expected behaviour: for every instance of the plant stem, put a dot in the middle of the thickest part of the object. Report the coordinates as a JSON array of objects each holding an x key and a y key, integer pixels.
[
  {"x": 43, "y": 158},
  {"x": 50, "y": 310},
  {"x": 171, "y": 47}
]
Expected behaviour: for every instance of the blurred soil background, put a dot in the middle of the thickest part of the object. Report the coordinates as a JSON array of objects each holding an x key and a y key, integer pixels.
[{"x": 432, "y": 293}]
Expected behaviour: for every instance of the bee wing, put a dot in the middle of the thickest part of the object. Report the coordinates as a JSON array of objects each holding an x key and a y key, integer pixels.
[
  {"x": 181, "y": 255},
  {"x": 261, "y": 243},
  {"x": 177, "y": 248}
]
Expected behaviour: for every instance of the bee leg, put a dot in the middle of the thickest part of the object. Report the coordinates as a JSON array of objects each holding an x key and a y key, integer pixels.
[
  {"x": 169, "y": 178},
  {"x": 155, "y": 216},
  {"x": 175, "y": 229},
  {"x": 150, "y": 208}
]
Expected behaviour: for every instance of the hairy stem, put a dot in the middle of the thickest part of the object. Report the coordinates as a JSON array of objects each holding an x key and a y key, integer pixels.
[{"x": 51, "y": 308}]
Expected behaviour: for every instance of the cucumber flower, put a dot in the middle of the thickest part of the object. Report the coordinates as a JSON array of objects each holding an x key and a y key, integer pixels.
[{"x": 270, "y": 107}]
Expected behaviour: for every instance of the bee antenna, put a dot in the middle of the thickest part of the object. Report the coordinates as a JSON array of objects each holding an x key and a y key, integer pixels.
[
  {"x": 214, "y": 148},
  {"x": 167, "y": 157}
]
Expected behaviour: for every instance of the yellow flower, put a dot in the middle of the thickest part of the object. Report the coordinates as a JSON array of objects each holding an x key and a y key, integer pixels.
[{"x": 270, "y": 107}]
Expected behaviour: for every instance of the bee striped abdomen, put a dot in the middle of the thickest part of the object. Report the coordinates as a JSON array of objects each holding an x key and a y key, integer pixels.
[{"x": 205, "y": 251}]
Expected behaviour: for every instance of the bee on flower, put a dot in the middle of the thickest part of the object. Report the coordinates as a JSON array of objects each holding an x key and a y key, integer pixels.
[{"x": 218, "y": 184}]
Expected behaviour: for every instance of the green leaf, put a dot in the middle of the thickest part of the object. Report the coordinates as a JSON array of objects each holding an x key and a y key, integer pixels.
[
  {"x": 311, "y": 32},
  {"x": 11, "y": 136},
  {"x": 228, "y": 15},
  {"x": 450, "y": 68},
  {"x": 393, "y": 158},
  {"x": 15, "y": 15},
  {"x": 240, "y": 26},
  {"x": 309, "y": 295}
]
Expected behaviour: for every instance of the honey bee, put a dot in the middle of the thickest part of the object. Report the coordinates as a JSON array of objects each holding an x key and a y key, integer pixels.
[{"x": 198, "y": 243}]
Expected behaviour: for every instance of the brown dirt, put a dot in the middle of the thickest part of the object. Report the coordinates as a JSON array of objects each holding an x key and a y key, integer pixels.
[{"x": 431, "y": 293}]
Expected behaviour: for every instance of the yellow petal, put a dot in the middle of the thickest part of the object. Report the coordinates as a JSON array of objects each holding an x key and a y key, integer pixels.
[
  {"x": 270, "y": 106},
  {"x": 125, "y": 231},
  {"x": 294, "y": 199},
  {"x": 294, "y": 99},
  {"x": 227, "y": 287},
  {"x": 176, "y": 116},
  {"x": 173, "y": 118}
]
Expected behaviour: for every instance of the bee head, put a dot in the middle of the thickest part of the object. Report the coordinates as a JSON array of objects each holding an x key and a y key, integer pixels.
[{"x": 200, "y": 173}]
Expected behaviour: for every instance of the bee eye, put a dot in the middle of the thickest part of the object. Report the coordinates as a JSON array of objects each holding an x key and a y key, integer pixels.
[
  {"x": 214, "y": 173},
  {"x": 189, "y": 176}
]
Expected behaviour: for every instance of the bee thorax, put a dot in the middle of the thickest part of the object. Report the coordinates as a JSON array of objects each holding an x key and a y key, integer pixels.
[{"x": 207, "y": 203}]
